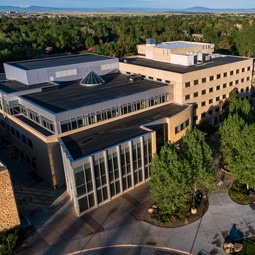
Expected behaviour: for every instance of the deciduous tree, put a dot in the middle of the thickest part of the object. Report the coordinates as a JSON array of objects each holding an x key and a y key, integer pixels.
[{"x": 168, "y": 181}]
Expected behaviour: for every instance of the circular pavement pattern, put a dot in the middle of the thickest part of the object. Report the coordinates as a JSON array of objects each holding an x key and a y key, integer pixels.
[{"x": 129, "y": 250}]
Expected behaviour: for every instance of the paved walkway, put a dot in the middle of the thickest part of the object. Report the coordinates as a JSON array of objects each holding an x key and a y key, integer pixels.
[
  {"x": 117, "y": 222},
  {"x": 114, "y": 223}
]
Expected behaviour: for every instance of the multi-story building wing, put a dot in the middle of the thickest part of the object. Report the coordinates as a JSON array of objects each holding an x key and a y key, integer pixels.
[{"x": 198, "y": 76}]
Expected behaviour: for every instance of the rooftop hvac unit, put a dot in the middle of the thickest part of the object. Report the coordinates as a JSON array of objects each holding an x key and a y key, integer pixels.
[
  {"x": 215, "y": 55},
  {"x": 208, "y": 58}
]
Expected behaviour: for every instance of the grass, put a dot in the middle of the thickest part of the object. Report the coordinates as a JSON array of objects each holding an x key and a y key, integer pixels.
[
  {"x": 239, "y": 193},
  {"x": 248, "y": 247}
]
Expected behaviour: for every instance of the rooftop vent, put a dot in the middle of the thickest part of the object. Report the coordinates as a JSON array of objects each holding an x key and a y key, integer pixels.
[
  {"x": 134, "y": 77},
  {"x": 92, "y": 79}
]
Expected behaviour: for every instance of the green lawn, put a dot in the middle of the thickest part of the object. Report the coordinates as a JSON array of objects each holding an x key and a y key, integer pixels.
[
  {"x": 248, "y": 247},
  {"x": 239, "y": 194}
]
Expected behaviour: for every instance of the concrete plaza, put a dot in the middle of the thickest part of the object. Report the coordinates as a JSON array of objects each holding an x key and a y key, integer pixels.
[{"x": 56, "y": 230}]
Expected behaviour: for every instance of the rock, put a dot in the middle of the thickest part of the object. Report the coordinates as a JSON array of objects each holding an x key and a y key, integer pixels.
[{"x": 150, "y": 210}]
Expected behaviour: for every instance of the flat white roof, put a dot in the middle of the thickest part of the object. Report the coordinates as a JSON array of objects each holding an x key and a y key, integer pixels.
[{"x": 177, "y": 45}]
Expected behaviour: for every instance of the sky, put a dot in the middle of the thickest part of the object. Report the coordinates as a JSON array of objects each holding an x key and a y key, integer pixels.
[{"x": 170, "y": 4}]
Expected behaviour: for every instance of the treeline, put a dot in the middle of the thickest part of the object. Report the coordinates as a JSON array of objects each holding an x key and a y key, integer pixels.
[{"x": 24, "y": 38}]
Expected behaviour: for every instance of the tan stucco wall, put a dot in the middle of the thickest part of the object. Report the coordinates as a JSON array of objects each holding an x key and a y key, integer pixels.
[
  {"x": 177, "y": 120},
  {"x": 180, "y": 91},
  {"x": 222, "y": 94},
  {"x": 46, "y": 155},
  {"x": 8, "y": 214}
]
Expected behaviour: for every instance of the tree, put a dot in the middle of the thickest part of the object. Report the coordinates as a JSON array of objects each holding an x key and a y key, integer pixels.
[
  {"x": 241, "y": 165},
  {"x": 89, "y": 42},
  {"x": 198, "y": 156},
  {"x": 237, "y": 143},
  {"x": 230, "y": 135},
  {"x": 176, "y": 173},
  {"x": 168, "y": 183}
]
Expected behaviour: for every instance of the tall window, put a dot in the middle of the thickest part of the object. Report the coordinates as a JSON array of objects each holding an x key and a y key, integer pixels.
[
  {"x": 126, "y": 169},
  {"x": 137, "y": 163},
  {"x": 101, "y": 183},
  {"x": 84, "y": 187},
  {"x": 147, "y": 157},
  {"x": 114, "y": 174}
]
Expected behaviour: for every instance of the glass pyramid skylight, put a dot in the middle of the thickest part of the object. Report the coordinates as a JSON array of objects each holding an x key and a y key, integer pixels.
[{"x": 92, "y": 79}]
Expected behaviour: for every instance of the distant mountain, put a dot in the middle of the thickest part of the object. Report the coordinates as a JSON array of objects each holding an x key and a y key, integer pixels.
[
  {"x": 204, "y": 9},
  {"x": 196, "y": 9}
]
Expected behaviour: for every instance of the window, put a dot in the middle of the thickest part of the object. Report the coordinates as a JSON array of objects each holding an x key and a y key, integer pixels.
[
  {"x": 203, "y": 115},
  {"x": 224, "y": 96},
  {"x": 30, "y": 143},
  {"x": 113, "y": 174},
  {"x": 18, "y": 134},
  {"x": 182, "y": 126},
  {"x": 126, "y": 169},
  {"x": 242, "y": 90},
  {"x": 237, "y": 71},
  {"x": 137, "y": 163},
  {"x": 242, "y": 80},
  {"x": 196, "y": 94},
  {"x": 248, "y": 78},
  {"x": 195, "y": 118},
  {"x": 147, "y": 152},
  {"x": 224, "y": 85},
  {"x": 12, "y": 130},
  {"x": 187, "y": 84},
  {"x": 203, "y": 80},
  {"x": 24, "y": 139},
  {"x": 101, "y": 181},
  {"x": 203, "y": 92},
  {"x": 217, "y": 99},
  {"x": 231, "y": 84},
  {"x": 158, "y": 79},
  {"x": 211, "y": 89},
  {"x": 151, "y": 78},
  {"x": 210, "y": 101},
  {"x": 225, "y": 74},
  {"x": 66, "y": 73},
  {"x": 237, "y": 81},
  {"x": 218, "y": 87},
  {"x": 248, "y": 68},
  {"x": 195, "y": 106},
  {"x": 187, "y": 97},
  {"x": 243, "y": 69},
  {"x": 195, "y": 82},
  {"x": 231, "y": 72},
  {"x": 218, "y": 76},
  {"x": 203, "y": 103},
  {"x": 211, "y": 78},
  {"x": 247, "y": 88}
]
